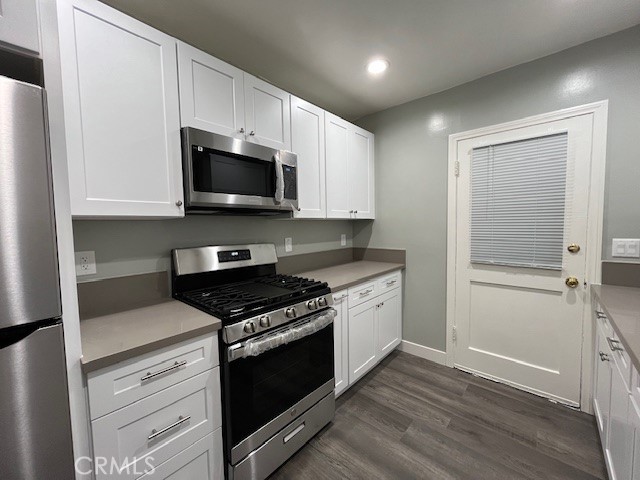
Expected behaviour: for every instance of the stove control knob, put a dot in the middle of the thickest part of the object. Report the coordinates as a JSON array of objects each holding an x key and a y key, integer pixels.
[
  {"x": 312, "y": 305},
  {"x": 249, "y": 327},
  {"x": 265, "y": 321},
  {"x": 290, "y": 312},
  {"x": 322, "y": 302}
]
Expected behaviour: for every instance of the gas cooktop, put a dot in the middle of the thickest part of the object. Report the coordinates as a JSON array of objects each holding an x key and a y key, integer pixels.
[{"x": 235, "y": 301}]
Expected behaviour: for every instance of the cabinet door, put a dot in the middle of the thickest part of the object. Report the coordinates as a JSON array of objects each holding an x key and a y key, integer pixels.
[
  {"x": 268, "y": 115},
  {"x": 361, "y": 168},
  {"x": 19, "y": 24},
  {"x": 363, "y": 341},
  {"x": 602, "y": 385},
  {"x": 121, "y": 110},
  {"x": 634, "y": 421},
  {"x": 620, "y": 447},
  {"x": 389, "y": 316},
  {"x": 211, "y": 93},
  {"x": 337, "y": 158},
  {"x": 307, "y": 141},
  {"x": 341, "y": 338}
]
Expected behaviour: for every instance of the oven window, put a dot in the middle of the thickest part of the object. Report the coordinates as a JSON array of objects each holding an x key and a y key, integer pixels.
[
  {"x": 220, "y": 172},
  {"x": 261, "y": 388}
]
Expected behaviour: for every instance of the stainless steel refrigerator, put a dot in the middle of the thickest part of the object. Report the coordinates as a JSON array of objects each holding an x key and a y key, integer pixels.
[{"x": 35, "y": 430}]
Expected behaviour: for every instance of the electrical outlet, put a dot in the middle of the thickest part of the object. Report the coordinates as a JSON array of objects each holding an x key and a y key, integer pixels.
[
  {"x": 85, "y": 263},
  {"x": 288, "y": 244},
  {"x": 343, "y": 240},
  {"x": 626, "y": 247}
]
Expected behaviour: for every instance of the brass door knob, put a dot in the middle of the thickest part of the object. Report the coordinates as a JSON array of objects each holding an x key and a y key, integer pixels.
[
  {"x": 574, "y": 248},
  {"x": 572, "y": 282}
]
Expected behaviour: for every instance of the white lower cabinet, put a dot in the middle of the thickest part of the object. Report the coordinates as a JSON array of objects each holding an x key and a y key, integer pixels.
[
  {"x": 341, "y": 339},
  {"x": 374, "y": 323},
  {"x": 616, "y": 410},
  {"x": 172, "y": 432}
]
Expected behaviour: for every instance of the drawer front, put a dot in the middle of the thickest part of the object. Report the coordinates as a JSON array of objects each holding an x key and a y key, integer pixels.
[
  {"x": 635, "y": 385},
  {"x": 621, "y": 359},
  {"x": 361, "y": 293},
  {"x": 127, "y": 382},
  {"x": 389, "y": 282},
  {"x": 161, "y": 425},
  {"x": 202, "y": 460},
  {"x": 602, "y": 321}
]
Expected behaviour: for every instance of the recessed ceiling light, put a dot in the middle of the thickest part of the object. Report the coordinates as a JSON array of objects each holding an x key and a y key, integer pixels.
[{"x": 377, "y": 66}]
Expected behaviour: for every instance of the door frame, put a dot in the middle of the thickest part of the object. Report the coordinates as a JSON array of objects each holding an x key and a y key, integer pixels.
[{"x": 599, "y": 113}]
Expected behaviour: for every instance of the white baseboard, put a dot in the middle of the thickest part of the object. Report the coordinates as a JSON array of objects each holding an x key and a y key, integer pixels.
[{"x": 437, "y": 356}]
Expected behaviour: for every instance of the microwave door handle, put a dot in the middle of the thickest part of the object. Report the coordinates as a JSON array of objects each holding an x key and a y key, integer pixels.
[{"x": 279, "y": 197}]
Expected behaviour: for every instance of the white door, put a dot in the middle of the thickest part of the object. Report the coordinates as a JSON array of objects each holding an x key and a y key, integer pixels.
[
  {"x": 361, "y": 185},
  {"x": 268, "y": 115},
  {"x": 517, "y": 321},
  {"x": 122, "y": 119},
  {"x": 389, "y": 321},
  {"x": 211, "y": 93},
  {"x": 340, "y": 341},
  {"x": 363, "y": 342},
  {"x": 19, "y": 24},
  {"x": 337, "y": 159},
  {"x": 307, "y": 142}
]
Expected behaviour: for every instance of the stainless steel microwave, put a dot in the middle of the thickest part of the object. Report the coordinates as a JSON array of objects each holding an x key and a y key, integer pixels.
[{"x": 224, "y": 174}]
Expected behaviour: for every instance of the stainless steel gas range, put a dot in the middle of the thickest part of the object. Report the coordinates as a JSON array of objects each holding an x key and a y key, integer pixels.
[{"x": 276, "y": 351}]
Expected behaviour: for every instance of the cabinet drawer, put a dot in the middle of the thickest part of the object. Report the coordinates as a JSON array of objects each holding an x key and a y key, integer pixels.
[
  {"x": 635, "y": 385},
  {"x": 363, "y": 292},
  {"x": 602, "y": 321},
  {"x": 202, "y": 460},
  {"x": 122, "y": 384},
  {"x": 621, "y": 359},
  {"x": 389, "y": 282},
  {"x": 161, "y": 425}
]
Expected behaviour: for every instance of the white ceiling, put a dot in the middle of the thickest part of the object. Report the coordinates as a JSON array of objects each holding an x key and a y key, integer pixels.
[{"x": 318, "y": 49}]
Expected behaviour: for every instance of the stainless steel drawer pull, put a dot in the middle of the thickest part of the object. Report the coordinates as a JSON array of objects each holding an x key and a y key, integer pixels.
[
  {"x": 365, "y": 293},
  {"x": 614, "y": 345},
  {"x": 293, "y": 433},
  {"x": 341, "y": 297},
  {"x": 600, "y": 314},
  {"x": 175, "y": 366},
  {"x": 391, "y": 282},
  {"x": 155, "y": 433},
  {"x": 603, "y": 357}
]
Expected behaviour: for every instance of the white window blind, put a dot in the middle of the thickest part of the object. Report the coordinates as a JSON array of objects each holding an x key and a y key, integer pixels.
[{"x": 518, "y": 202}]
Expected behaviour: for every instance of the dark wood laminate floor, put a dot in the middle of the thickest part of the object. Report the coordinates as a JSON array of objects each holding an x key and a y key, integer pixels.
[{"x": 413, "y": 419}]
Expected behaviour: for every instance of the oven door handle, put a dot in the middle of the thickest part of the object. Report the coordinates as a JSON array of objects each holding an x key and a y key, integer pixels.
[{"x": 259, "y": 345}]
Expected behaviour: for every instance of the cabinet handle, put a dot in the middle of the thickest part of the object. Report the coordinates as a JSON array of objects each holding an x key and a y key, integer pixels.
[
  {"x": 614, "y": 345},
  {"x": 181, "y": 420},
  {"x": 341, "y": 297},
  {"x": 600, "y": 314},
  {"x": 603, "y": 357},
  {"x": 175, "y": 366},
  {"x": 365, "y": 293},
  {"x": 179, "y": 203},
  {"x": 391, "y": 282},
  {"x": 252, "y": 133},
  {"x": 241, "y": 129}
]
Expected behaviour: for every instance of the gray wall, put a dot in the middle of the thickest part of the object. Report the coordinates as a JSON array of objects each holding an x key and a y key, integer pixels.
[
  {"x": 411, "y": 158},
  {"x": 127, "y": 247}
]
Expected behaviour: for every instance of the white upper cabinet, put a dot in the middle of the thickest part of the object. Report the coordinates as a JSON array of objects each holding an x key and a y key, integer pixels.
[
  {"x": 337, "y": 140},
  {"x": 307, "y": 141},
  {"x": 361, "y": 180},
  {"x": 19, "y": 24},
  {"x": 267, "y": 114},
  {"x": 211, "y": 93},
  {"x": 350, "y": 175},
  {"x": 122, "y": 116}
]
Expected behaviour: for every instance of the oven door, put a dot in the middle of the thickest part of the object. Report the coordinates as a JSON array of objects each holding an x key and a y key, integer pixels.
[
  {"x": 273, "y": 378},
  {"x": 223, "y": 172}
]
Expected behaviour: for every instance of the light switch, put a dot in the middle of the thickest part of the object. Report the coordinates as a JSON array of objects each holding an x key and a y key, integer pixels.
[{"x": 626, "y": 247}]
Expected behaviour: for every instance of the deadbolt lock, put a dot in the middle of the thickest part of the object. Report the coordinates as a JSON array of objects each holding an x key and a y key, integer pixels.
[
  {"x": 574, "y": 248},
  {"x": 572, "y": 282}
]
